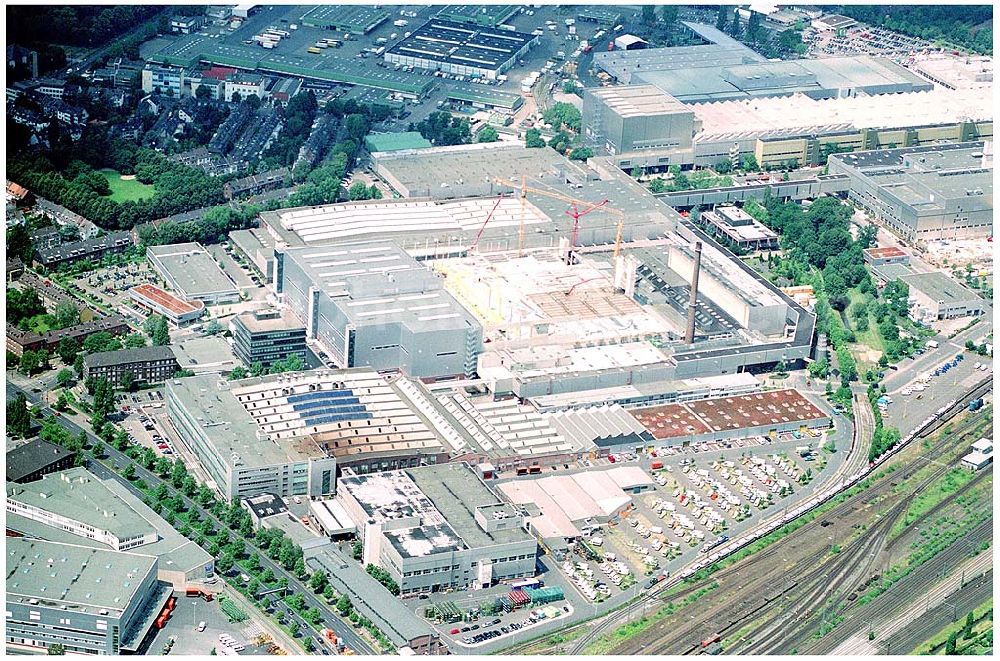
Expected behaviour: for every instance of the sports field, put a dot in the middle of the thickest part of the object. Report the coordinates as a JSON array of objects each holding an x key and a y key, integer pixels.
[{"x": 124, "y": 190}]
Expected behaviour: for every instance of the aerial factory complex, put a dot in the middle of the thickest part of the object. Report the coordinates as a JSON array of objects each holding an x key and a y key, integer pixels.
[{"x": 517, "y": 329}]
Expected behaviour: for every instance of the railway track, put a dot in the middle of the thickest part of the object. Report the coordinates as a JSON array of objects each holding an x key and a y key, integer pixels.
[
  {"x": 902, "y": 593},
  {"x": 613, "y": 620},
  {"x": 975, "y": 592},
  {"x": 791, "y": 628},
  {"x": 767, "y": 571}
]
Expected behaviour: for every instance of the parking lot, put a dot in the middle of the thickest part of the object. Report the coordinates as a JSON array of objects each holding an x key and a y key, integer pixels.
[
  {"x": 694, "y": 504},
  {"x": 183, "y": 629},
  {"x": 863, "y": 40},
  {"x": 486, "y": 621}
]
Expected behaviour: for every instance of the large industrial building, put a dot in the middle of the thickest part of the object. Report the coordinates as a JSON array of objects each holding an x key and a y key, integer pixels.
[
  {"x": 934, "y": 297},
  {"x": 288, "y": 434},
  {"x": 461, "y": 49},
  {"x": 785, "y": 112},
  {"x": 638, "y": 124},
  {"x": 924, "y": 193},
  {"x": 87, "y": 600},
  {"x": 76, "y": 507},
  {"x": 371, "y": 304},
  {"x": 437, "y": 527}
]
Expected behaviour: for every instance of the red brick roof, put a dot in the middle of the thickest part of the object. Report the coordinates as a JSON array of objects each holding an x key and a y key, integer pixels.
[
  {"x": 156, "y": 295},
  {"x": 17, "y": 190},
  {"x": 885, "y": 253},
  {"x": 764, "y": 409},
  {"x": 218, "y": 73}
]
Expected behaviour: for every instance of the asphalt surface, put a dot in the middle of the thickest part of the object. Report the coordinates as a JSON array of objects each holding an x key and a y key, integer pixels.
[{"x": 331, "y": 620}]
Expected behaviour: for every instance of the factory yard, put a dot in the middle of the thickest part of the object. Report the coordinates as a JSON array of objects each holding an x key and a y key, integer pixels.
[
  {"x": 695, "y": 498},
  {"x": 832, "y": 564}
]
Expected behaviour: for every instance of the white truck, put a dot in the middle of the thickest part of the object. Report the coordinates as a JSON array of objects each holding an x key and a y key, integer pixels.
[{"x": 933, "y": 344}]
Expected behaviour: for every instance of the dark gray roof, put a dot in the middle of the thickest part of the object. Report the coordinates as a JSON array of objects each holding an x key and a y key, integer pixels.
[
  {"x": 266, "y": 504},
  {"x": 26, "y": 459},
  {"x": 126, "y": 356}
]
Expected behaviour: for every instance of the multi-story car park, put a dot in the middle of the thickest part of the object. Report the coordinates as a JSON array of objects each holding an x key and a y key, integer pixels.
[
  {"x": 265, "y": 336},
  {"x": 88, "y": 600},
  {"x": 437, "y": 527},
  {"x": 288, "y": 434},
  {"x": 76, "y": 507},
  {"x": 190, "y": 270},
  {"x": 924, "y": 193},
  {"x": 461, "y": 49},
  {"x": 146, "y": 365}
]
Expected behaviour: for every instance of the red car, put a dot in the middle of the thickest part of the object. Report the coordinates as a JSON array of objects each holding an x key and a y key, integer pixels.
[
  {"x": 454, "y": 631},
  {"x": 611, "y": 458}
]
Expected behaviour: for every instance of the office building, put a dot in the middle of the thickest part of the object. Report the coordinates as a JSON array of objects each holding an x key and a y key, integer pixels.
[
  {"x": 163, "y": 80},
  {"x": 140, "y": 366},
  {"x": 76, "y": 507},
  {"x": 372, "y": 305},
  {"x": 738, "y": 228},
  {"x": 35, "y": 459},
  {"x": 437, "y": 527},
  {"x": 923, "y": 193},
  {"x": 639, "y": 125},
  {"x": 87, "y": 600},
  {"x": 266, "y": 336}
]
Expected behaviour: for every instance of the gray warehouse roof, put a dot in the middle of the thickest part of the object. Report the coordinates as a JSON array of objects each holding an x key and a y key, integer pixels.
[
  {"x": 379, "y": 283},
  {"x": 457, "y": 43},
  {"x": 79, "y": 495},
  {"x": 192, "y": 269},
  {"x": 639, "y": 101},
  {"x": 92, "y": 580},
  {"x": 939, "y": 287}
]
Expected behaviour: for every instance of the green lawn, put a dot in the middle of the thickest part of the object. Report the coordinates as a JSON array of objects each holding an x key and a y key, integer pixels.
[{"x": 125, "y": 190}]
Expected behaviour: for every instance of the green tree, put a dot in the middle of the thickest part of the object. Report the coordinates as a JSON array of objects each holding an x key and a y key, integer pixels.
[
  {"x": 970, "y": 621},
  {"x": 308, "y": 644},
  {"x": 66, "y": 314},
  {"x": 65, "y": 377},
  {"x": 533, "y": 139},
  {"x": 328, "y": 592},
  {"x": 344, "y": 605},
  {"x": 129, "y": 471},
  {"x": 19, "y": 243},
  {"x": 748, "y": 163},
  {"x": 67, "y": 350},
  {"x": 951, "y": 644},
  {"x": 128, "y": 381},
  {"x": 18, "y": 417},
  {"x": 563, "y": 114},
  {"x": 581, "y": 154},
  {"x": 722, "y": 18},
  {"x": 648, "y": 14},
  {"x": 657, "y": 185},
  {"x": 55, "y": 649},
  {"x": 238, "y": 372},
  {"x": 134, "y": 341},
  {"x": 668, "y": 14},
  {"x": 487, "y": 134},
  {"x": 318, "y": 581},
  {"x": 158, "y": 331}
]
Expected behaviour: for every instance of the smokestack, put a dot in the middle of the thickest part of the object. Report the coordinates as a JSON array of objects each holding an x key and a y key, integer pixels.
[{"x": 693, "y": 303}]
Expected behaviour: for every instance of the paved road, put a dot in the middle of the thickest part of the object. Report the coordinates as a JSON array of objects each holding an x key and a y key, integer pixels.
[{"x": 341, "y": 628}]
